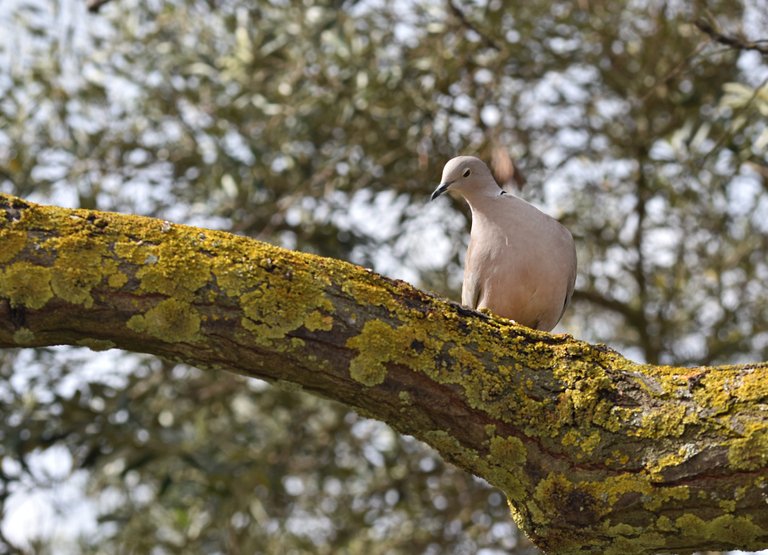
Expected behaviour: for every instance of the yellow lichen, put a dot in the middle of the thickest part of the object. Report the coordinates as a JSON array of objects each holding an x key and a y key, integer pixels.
[
  {"x": 586, "y": 443},
  {"x": 174, "y": 269},
  {"x": 117, "y": 280},
  {"x": 96, "y": 344},
  {"x": 751, "y": 451},
  {"x": 618, "y": 458},
  {"x": 443, "y": 441},
  {"x": 272, "y": 312},
  {"x": 583, "y": 397},
  {"x": 664, "y": 462},
  {"x": 27, "y": 285},
  {"x": 632, "y": 543},
  {"x": 78, "y": 268},
  {"x": 613, "y": 488},
  {"x": 13, "y": 243},
  {"x": 134, "y": 252},
  {"x": 405, "y": 398},
  {"x": 558, "y": 494},
  {"x": 621, "y": 530},
  {"x": 273, "y": 301},
  {"x": 24, "y": 336},
  {"x": 374, "y": 344},
  {"x": 753, "y": 386},
  {"x": 665, "y": 524},
  {"x": 666, "y": 421},
  {"x": 170, "y": 320},
  {"x": 714, "y": 391},
  {"x": 379, "y": 344},
  {"x": 617, "y": 417},
  {"x": 590, "y": 500},
  {"x": 509, "y": 451},
  {"x": 361, "y": 289},
  {"x": 285, "y": 385},
  {"x": 728, "y": 529},
  {"x": 663, "y": 496},
  {"x": 317, "y": 321}
]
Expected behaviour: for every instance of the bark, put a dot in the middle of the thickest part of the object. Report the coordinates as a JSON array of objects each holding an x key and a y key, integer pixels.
[{"x": 595, "y": 453}]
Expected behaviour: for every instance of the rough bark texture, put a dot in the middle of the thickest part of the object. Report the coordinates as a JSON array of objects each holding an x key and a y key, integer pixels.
[{"x": 596, "y": 454}]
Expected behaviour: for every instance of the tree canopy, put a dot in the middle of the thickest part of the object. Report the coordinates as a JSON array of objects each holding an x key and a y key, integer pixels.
[{"x": 322, "y": 126}]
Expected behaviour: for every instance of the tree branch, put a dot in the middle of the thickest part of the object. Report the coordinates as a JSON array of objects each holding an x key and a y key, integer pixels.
[
  {"x": 467, "y": 24},
  {"x": 632, "y": 315},
  {"x": 94, "y": 6},
  {"x": 733, "y": 41},
  {"x": 595, "y": 453}
]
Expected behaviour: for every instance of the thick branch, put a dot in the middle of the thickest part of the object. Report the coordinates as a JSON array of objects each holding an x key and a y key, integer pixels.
[{"x": 596, "y": 454}]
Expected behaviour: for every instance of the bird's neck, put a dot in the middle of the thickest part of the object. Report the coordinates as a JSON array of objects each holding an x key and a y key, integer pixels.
[{"x": 485, "y": 200}]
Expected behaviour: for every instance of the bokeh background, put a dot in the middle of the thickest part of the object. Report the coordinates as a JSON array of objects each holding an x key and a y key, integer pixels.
[{"x": 322, "y": 125}]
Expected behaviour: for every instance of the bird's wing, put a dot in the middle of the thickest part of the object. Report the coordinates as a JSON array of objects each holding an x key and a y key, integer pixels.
[
  {"x": 571, "y": 282},
  {"x": 471, "y": 290}
]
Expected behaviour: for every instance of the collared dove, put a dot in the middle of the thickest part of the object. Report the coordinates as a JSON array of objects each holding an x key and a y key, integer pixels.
[{"x": 521, "y": 264}]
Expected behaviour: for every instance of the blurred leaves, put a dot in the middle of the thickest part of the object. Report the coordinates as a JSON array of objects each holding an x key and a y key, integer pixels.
[{"x": 322, "y": 125}]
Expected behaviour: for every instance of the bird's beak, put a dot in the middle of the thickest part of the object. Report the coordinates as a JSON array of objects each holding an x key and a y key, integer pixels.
[{"x": 443, "y": 187}]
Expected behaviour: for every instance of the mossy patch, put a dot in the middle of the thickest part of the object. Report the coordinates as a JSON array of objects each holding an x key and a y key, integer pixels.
[
  {"x": 714, "y": 391},
  {"x": 659, "y": 464},
  {"x": 272, "y": 312},
  {"x": 637, "y": 542},
  {"x": 751, "y": 451},
  {"x": 170, "y": 320},
  {"x": 665, "y": 495},
  {"x": 379, "y": 344},
  {"x": 374, "y": 344},
  {"x": 96, "y": 344},
  {"x": 273, "y": 299},
  {"x": 665, "y": 421},
  {"x": 24, "y": 336},
  {"x": 359, "y": 289},
  {"x": 450, "y": 448},
  {"x": 405, "y": 398},
  {"x": 317, "y": 321},
  {"x": 753, "y": 386},
  {"x": 12, "y": 242},
  {"x": 509, "y": 451},
  {"x": 725, "y": 529},
  {"x": 586, "y": 443},
  {"x": 172, "y": 268},
  {"x": 27, "y": 285},
  {"x": 586, "y": 501},
  {"x": 78, "y": 268},
  {"x": 285, "y": 385},
  {"x": 584, "y": 382},
  {"x": 117, "y": 279}
]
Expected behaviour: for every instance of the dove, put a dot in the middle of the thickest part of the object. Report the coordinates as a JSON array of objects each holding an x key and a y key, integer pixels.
[{"x": 521, "y": 263}]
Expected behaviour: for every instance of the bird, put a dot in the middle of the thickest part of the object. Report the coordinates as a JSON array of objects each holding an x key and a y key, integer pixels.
[{"x": 520, "y": 263}]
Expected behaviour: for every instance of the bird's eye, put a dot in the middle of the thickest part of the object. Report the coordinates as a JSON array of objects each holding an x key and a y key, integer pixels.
[{"x": 466, "y": 172}]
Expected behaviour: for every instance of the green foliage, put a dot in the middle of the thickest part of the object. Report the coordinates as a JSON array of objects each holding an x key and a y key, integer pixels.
[{"x": 322, "y": 125}]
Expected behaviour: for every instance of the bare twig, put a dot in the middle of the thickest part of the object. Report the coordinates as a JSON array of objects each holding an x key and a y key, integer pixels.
[
  {"x": 733, "y": 41},
  {"x": 462, "y": 17},
  {"x": 95, "y": 5}
]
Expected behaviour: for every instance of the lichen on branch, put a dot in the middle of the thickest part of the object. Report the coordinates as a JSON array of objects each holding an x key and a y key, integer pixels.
[{"x": 596, "y": 454}]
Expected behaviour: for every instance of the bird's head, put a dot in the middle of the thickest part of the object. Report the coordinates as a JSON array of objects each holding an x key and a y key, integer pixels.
[{"x": 466, "y": 175}]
